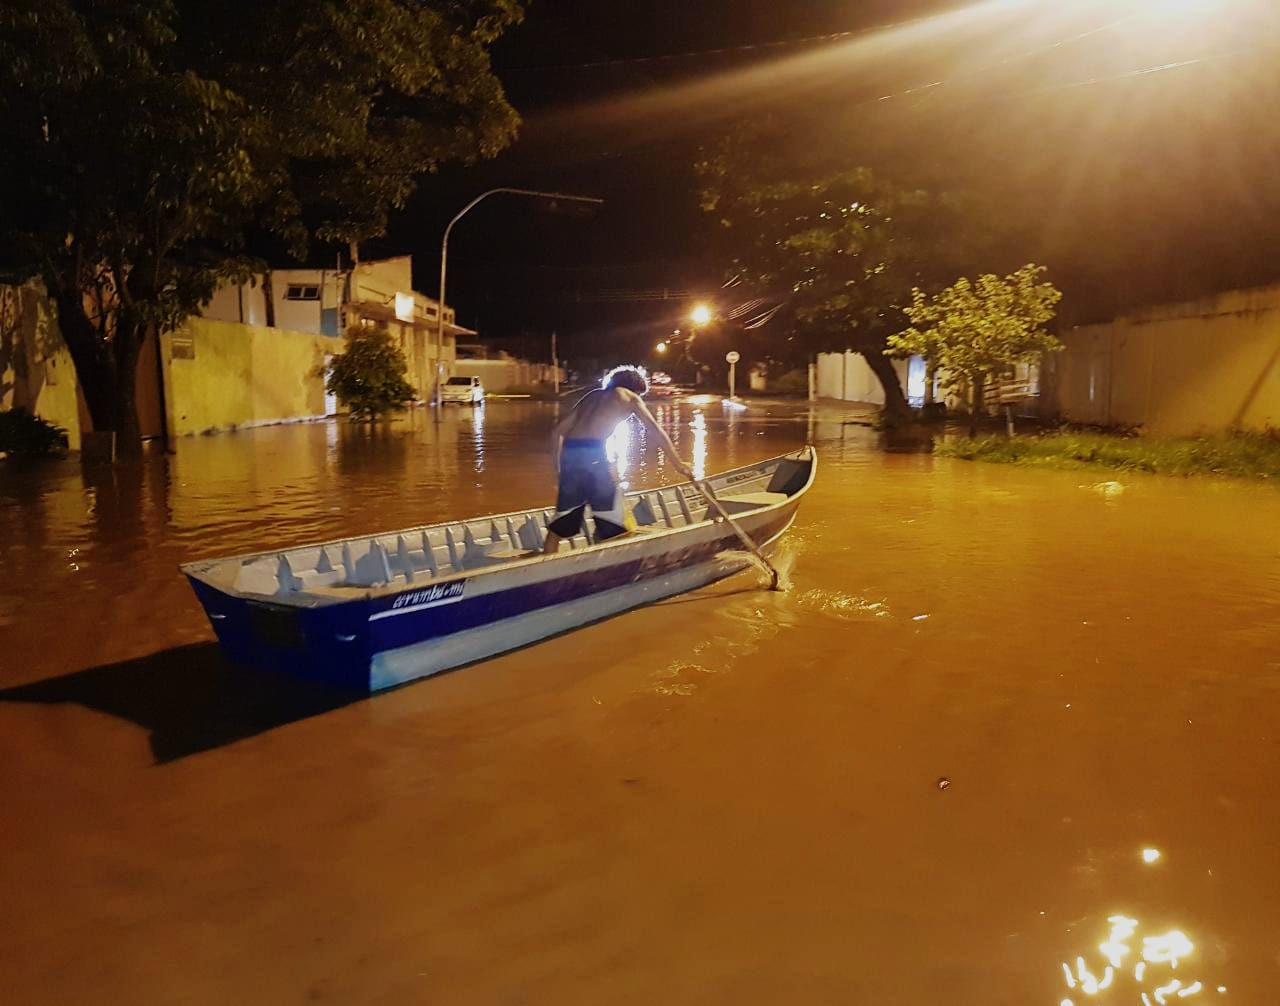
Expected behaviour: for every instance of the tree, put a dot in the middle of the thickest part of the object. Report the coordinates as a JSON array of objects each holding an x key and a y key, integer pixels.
[
  {"x": 973, "y": 330},
  {"x": 149, "y": 142},
  {"x": 369, "y": 375},
  {"x": 843, "y": 249}
]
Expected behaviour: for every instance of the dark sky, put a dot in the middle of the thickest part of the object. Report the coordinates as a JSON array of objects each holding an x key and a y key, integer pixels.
[
  {"x": 514, "y": 266},
  {"x": 1132, "y": 187}
]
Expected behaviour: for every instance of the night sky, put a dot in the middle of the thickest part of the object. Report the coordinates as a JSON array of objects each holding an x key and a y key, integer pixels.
[{"x": 1132, "y": 187}]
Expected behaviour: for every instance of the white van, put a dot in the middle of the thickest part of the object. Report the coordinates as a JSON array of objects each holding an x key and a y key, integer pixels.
[{"x": 465, "y": 390}]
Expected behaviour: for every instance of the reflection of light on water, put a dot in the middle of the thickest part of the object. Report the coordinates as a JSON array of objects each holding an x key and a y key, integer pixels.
[
  {"x": 733, "y": 406},
  {"x": 1151, "y": 981},
  {"x": 843, "y": 606},
  {"x": 699, "y": 427},
  {"x": 477, "y": 419}
]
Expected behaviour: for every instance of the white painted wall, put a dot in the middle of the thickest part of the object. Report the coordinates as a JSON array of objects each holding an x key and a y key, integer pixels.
[
  {"x": 846, "y": 377},
  {"x": 1177, "y": 369}
]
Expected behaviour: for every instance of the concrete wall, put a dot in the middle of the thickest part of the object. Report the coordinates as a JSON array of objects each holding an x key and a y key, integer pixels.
[
  {"x": 846, "y": 376},
  {"x": 507, "y": 372},
  {"x": 36, "y": 372},
  {"x": 221, "y": 375},
  {"x": 1179, "y": 369},
  {"x": 245, "y": 304}
]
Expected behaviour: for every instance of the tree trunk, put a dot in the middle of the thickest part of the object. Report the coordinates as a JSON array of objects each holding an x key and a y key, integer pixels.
[
  {"x": 269, "y": 296},
  {"x": 92, "y": 362},
  {"x": 895, "y": 401},
  {"x": 128, "y": 429},
  {"x": 107, "y": 374},
  {"x": 978, "y": 404}
]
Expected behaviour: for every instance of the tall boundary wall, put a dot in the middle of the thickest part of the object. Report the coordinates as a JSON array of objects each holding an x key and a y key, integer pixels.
[
  {"x": 222, "y": 375},
  {"x": 215, "y": 375},
  {"x": 1179, "y": 369}
]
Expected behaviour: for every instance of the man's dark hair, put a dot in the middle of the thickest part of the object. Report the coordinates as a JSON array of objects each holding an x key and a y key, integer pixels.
[{"x": 631, "y": 378}]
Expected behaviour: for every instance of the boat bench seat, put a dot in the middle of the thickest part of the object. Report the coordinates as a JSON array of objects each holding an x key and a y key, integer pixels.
[{"x": 742, "y": 502}]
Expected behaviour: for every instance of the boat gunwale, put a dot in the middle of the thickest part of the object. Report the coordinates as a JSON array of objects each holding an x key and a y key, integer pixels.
[{"x": 359, "y": 593}]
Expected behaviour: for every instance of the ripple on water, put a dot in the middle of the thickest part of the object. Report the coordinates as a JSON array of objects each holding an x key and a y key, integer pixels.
[{"x": 846, "y": 607}]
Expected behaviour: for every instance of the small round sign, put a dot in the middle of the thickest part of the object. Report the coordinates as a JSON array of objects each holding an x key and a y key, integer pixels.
[{"x": 732, "y": 356}]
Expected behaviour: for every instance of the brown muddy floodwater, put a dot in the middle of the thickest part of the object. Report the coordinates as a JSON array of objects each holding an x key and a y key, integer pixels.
[{"x": 1012, "y": 737}]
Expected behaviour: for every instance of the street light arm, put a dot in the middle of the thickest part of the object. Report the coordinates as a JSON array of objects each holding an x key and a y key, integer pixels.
[{"x": 444, "y": 257}]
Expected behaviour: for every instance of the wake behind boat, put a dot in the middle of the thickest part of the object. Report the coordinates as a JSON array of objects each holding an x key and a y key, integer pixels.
[{"x": 376, "y": 611}]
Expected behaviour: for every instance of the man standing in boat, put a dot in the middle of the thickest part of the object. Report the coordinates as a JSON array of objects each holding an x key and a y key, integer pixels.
[{"x": 586, "y": 477}]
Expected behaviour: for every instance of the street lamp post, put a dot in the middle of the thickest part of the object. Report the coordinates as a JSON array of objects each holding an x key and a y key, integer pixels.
[{"x": 444, "y": 260}]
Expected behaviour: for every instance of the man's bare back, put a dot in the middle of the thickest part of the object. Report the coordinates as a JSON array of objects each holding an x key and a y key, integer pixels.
[
  {"x": 597, "y": 414},
  {"x": 586, "y": 477}
]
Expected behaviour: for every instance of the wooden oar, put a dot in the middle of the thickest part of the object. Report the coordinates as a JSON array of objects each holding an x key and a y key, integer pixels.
[{"x": 746, "y": 538}]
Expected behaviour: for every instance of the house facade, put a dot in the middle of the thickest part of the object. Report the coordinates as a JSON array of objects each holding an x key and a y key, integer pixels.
[
  {"x": 256, "y": 355},
  {"x": 329, "y": 302}
]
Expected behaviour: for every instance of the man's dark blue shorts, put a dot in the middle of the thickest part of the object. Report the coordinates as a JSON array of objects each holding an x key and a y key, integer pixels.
[{"x": 586, "y": 480}]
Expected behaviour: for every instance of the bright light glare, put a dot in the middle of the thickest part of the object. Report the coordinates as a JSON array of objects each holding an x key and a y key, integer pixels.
[
  {"x": 1177, "y": 8},
  {"x": 618, "y": 449},
  {"x": 1150, "y": 855},
  {"x": 699, "y": 427},
  {"x": 661, "y": 347},
  {"x": 701, "y": 315}
]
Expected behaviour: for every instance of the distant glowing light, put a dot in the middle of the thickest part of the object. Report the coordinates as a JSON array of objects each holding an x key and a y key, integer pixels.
[
  {"x": 701, "y": 315},
  {"x": 1150, "y": 855},
  {"x": 661, "y": 347}
]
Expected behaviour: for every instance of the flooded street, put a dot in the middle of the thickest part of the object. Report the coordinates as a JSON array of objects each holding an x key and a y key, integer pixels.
[{"x": 1011, "y": 737}]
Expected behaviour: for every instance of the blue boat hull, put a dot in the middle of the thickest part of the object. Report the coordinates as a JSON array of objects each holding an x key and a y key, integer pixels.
[{"x": 371, "y": 644}]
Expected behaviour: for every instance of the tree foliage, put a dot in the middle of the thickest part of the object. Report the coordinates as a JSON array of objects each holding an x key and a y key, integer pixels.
[
  {"x": 369, "y": 375},
  {"x": 146, "y": 141},
  {"x": 842, "y": 248},
  {"x": 976, "y": 329}
]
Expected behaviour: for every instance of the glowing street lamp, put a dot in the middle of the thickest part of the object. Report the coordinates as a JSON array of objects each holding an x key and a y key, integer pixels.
[
  {"x": 701, "y": 315},
  {"x": 661, "y": 347}
]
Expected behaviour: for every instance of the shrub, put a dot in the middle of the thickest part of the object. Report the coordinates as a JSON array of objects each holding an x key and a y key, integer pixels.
[
  {"x": 369, "y": 376},
  {"x": 25, "y": 435},
  {"x": 1234, "y": 453},
  {"x": 793, "y": 382}
]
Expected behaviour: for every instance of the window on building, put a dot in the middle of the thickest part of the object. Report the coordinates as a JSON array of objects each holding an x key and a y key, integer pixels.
[{"x": 301, "y": 291}]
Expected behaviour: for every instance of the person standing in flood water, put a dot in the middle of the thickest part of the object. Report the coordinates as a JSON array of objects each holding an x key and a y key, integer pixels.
[{"x": 586, "y": 477}]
